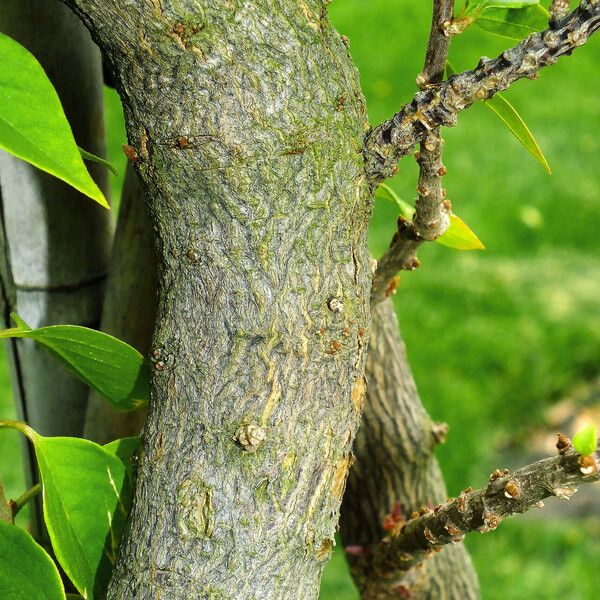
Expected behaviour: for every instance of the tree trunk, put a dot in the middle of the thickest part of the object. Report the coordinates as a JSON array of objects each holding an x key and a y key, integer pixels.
[
  {"x": 395, "y": 464},
  {"x": 246, "y": 122},
  {"x": 55, "y": 242}
]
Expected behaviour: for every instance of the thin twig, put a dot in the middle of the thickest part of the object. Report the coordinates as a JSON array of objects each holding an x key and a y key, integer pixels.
[
  {"x": 483, "y": 510},
  {"x": 432, "y": 214},
  {"x": 439, "y": 105},
  {"x": 23, "y": 499}
]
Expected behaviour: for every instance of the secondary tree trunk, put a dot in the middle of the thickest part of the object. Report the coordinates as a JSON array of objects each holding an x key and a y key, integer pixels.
[
  {"x": 55, "y": 242},
  {"x": 395, "y": 464},
  {"x": 246, "y": 122}
]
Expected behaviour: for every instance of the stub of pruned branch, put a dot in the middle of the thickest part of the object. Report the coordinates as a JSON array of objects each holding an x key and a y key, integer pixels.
[
  {"x": 482, "y": 510},
  {"x": 439, "y": 105}
]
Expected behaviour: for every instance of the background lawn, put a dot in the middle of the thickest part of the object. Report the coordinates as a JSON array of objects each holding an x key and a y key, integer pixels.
[{"x": 495, "y": 338}]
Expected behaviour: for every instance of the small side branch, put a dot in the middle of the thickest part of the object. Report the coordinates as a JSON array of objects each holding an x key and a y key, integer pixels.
[
  {"x": 438, "y": 44},
  {"x": 483, "y": 510},
  {"x": 439, "y": 105},
  {"x": 432, "y": 211}
]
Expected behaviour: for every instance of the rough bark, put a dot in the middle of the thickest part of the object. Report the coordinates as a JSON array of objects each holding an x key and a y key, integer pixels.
[
  {"x": 395, "y": 464},
  {"x": 55, "y": 242},
  {"x": 247, "y": 122},
  {"x": 481, "y": 510},
  {"x": 129, "y": 305}
]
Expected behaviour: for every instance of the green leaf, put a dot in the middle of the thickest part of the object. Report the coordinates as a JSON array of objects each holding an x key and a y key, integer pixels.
[
  {"x": 585, "y": 441},
  {"x": 485, "y": 4},
  {"x": 387, "y": 193},
  {"x": 33, "y": 125},
  {"x": 97, "y": 159},
  {"x": 26, "y": 570},
  {"x": 124, "y": 449},
  {"x": 507, "y": 113},
  {"x": 87, "y": 497},
  {"x": 110, "y": 366},
  {"x": 459, "y": 236},
  {"x": 513, "y": 23}
]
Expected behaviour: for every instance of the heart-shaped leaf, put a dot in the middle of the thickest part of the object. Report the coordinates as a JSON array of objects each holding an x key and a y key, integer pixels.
[
  {"x": 33, "y": 125},
  {"x": 110, "y": 366},
  {"x": 26, "y": 570}
]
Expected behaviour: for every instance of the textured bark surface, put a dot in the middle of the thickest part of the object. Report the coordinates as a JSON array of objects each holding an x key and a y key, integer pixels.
[
  {"x": 55, "y": 242},
  {"x": 247, "y": 120},
  {"x": 395, "y": 464},
  {"x": 129, "y": 305}
]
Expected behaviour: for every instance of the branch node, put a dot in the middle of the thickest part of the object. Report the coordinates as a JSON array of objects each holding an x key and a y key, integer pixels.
[
  {"x": 439, "y": 431},
  {"x": 512, "y": 490}
]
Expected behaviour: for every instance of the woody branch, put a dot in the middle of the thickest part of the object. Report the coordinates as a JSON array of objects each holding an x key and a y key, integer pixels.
[
  {"x": 431, "y": 218},
  {"x": 482, "y": 510},
  {"x": 439, "y": 105}
]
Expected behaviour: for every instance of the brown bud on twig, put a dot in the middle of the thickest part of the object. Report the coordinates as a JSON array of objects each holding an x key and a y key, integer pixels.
[
  {"x": 511, "y": 489},
  {"x": 563, "y": 443}
]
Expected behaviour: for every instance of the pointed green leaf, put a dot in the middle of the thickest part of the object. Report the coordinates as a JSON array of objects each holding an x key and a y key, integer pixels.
[
  {"x": 110, "y": 366},
  {"x": 585, "y": 441},
  {"x": 513, "y": 23},
  {"x": 459, "y": 236},
  {"x": 97, "y": 159},
  {"x": 33, "y": 125},
  {"x": 26, "y": 570},
  {"x": 507, "y": 113},
  {"x": 387, "y": 193},
  {"x": 86, "y": 501},
  {"x": 475, "y": 5}
]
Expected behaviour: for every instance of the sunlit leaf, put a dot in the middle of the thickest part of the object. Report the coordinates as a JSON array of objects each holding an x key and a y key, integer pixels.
[
  {"x": 86, "y": 501},
  {"x": 387, "y": 193},
  {"x": 485, "y": 4},
  {"x": 585, "y": 441},
  {"x": 110, "y": 366},
  {"x": 459, "y": 236},
  {"x": 87, "y": 497},
  {"x": 511, "y": 118},
  {"x": 33, "y": 125},
  {"x": 125, "y": 449},
  {"x": 26, "y": 570},
  {"x": 513, "y": 23}
]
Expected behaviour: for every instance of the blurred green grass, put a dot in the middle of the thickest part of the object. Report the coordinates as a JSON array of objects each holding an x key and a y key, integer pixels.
[{"x": 494, "y": 337}]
